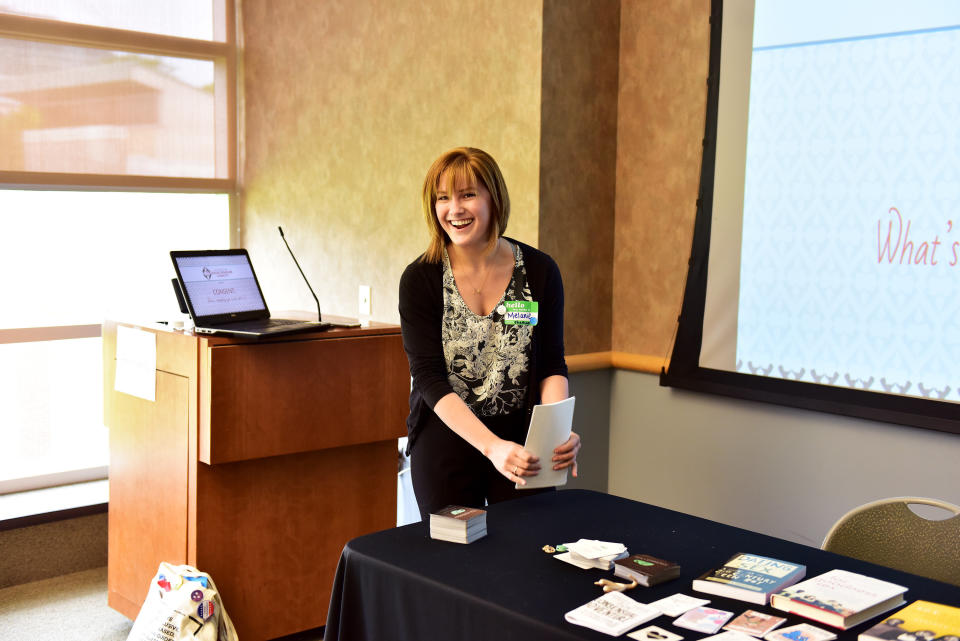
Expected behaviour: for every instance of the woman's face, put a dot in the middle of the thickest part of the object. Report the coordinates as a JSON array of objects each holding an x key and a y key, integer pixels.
[{"x": 463, "y": 211}]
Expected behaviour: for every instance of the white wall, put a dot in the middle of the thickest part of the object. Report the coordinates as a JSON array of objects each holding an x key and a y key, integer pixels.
[{"x": 781, "y": 471}]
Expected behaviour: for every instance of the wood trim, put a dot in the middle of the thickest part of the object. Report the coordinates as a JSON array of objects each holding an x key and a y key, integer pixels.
[
  {"x": 618, "y": 360},
  {"x": 68, "y": 33},
  {"x": 111, "y": 182},
  {"x": 55, "y": 333}
]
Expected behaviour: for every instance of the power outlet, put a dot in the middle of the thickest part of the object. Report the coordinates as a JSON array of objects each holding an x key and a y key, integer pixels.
[{"x": 364, "y": 300}]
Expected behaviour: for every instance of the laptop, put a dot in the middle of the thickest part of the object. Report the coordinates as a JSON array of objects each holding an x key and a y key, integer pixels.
[{"x": 223, "y": 296}]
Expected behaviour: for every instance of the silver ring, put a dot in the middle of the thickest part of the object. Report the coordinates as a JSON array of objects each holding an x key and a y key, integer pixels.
[{"x": 515, "y": 469}]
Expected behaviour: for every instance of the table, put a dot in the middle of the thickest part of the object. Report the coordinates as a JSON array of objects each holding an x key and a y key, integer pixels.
[
  {"x": 256, "y": 462},
  {"x": 399, "y": 584}
]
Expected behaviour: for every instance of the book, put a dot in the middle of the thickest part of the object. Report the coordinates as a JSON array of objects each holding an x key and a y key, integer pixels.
[
  {"x": 749, "y": 577},
  {"x": 458, "y": 524},
  {"x": 703, "y": 619},
  {"x": 920, "y": 620},
  {"x": 613, "y": 613},
  {"x": 800, "y": 632},
  {"x": 645, "y": 569},
  {"x": 839, "y": 598},
  {"x": 754, "y": 623}
]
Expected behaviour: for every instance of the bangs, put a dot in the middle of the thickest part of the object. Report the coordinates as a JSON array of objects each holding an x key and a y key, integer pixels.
[{"x": 459, "y": 173}]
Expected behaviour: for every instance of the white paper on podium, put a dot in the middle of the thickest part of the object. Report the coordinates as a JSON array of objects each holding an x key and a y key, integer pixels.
[{"x": 550, "y": 426}]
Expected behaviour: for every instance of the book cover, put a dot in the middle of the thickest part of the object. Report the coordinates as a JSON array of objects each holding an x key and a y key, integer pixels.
[
  {"x": 647, "y": 570},
  {"x": 754, "y": 623},
  {"x": 459, "y": 513},
  {"x": 749, "y": 577},
  {"x": 613, "y": 613},
  {"x": 920, "y": 620},
  {"x": 801, "y": 632},
  {"x": 703, "y": 619},
  {"x": 839, "y": 598}
]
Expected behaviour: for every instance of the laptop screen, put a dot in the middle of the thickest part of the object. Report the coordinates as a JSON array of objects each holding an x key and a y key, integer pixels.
[{"x": 218, "y": 285}]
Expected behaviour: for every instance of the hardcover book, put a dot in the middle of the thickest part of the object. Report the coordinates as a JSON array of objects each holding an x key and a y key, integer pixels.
[
  {"x": 749, "y": 577},
  {"x": 920, "y": 620},
  {"x": 645, "y": 569},
  {"x": 839, "y": 598}
]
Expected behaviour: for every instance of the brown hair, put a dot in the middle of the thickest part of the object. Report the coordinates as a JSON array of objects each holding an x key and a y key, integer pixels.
[{"x": 464, "y": 166}]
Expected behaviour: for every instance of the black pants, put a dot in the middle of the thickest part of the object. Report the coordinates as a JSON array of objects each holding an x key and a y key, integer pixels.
[{"x": 446, "y": 470}]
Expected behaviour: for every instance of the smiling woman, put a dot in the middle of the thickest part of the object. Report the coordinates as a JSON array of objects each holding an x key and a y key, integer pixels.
[{"x": 477, "y": 373}]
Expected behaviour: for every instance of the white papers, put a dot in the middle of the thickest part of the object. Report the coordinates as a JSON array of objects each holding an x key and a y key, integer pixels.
[
  {"x": 589, "y": 554},
  {"x": 136, "y": 372},
  {"x": 676, "y": 604},
  {"x": 613, "y": 613},
  {"x": 550, "y": 426}
]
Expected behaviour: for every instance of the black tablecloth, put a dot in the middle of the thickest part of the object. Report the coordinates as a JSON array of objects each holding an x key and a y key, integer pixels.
[{"x": 400, "y": 584}]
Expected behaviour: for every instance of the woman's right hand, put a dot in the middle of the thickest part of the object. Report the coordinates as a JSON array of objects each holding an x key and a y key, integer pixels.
[{"x": 513, "y": 461}]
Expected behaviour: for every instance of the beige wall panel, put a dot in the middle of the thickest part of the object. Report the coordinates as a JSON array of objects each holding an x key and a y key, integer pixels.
[
  {"x": 578, "y": 161},
  {"x": 346, "y": 105},
  {"x": 664, "y": 55}
]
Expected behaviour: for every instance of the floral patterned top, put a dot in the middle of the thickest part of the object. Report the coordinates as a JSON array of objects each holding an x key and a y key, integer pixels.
[{"x": 487, "y": 360}]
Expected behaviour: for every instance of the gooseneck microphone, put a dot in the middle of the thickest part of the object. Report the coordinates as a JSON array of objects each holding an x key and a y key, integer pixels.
[{"x": 319, "y": 316}]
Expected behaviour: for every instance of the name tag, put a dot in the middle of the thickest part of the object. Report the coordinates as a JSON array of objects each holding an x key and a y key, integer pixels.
[{"x": 520, "y": 312}]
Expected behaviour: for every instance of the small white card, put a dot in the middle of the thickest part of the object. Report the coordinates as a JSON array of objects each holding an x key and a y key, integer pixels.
[
  {"x": 550, "y": 426},
  {"x": 677, "y": 604},
  {"x": 703, "y": 619},
  {"x": 654, "y": 633},
  {"x": 801, "y": 632}
]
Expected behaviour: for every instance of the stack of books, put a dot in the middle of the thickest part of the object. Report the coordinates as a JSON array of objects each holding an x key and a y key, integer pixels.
[
  {"x": 646, "y": 570},
  {"x": 458, "y": 524}
]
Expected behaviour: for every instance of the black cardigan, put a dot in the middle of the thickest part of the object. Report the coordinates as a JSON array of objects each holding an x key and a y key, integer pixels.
[{"x": 421, "y": 317}]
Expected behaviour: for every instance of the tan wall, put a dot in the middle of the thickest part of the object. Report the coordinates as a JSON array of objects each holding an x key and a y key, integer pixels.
[
  {"x": 578, "y": 155},
  {"x": 664, "y": 55},
  {"x": 346, "y": 105}
]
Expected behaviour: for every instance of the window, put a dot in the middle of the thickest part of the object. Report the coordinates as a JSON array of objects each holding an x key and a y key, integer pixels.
[{"x": 117, "y": 144}]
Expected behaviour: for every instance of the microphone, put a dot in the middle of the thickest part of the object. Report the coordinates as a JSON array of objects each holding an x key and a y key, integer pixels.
[{"x": 319, "y": 316}]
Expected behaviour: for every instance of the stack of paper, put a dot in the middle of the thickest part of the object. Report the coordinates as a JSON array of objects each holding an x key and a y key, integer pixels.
[
  {"x": 614, "y": 613},
  {"x": 458, "y": 524},
  {"x": 589, "y": 554}
]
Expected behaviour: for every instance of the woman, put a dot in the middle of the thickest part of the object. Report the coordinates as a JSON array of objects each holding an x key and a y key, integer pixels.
[{"x": 475, "y": 376}]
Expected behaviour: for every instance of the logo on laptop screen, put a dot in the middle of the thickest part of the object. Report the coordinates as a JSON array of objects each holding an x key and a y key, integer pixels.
[{"x": 217, "y": 272}]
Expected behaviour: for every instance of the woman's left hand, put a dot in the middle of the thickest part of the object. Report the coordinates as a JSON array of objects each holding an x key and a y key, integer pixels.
[{"x": 565, "y": 455}]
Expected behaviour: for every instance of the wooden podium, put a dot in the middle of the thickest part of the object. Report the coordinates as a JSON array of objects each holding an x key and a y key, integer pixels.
[{"x": 256, "y": 463}]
